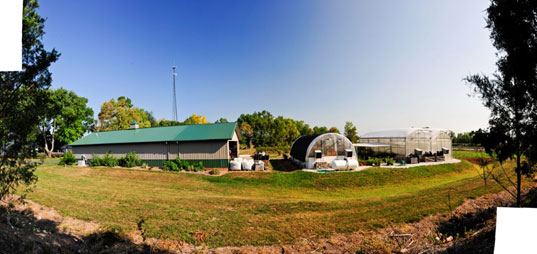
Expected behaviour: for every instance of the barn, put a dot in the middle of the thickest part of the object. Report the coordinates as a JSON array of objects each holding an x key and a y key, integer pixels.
[
  {"x": 329, "y": 150},
  {"x": 403, "y": 142},
  {"x": 213, "y": 144}
]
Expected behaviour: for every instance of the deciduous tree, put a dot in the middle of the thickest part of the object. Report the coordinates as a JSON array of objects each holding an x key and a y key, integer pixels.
[
  {"x": 333, "y": 130},
  {"x": 222, "y": 120},
  {"x": 65, "y": 117},
  {"x": 196, "y": 119},
  {"x": 117, "y": 115},
  {"x": 350, "y": 132}
]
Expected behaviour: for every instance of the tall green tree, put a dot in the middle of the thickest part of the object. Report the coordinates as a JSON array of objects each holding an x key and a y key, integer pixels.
[
  {"x": 511, "y": 92},
  {"x": 65, "y": 118},
  {"x": 350, "y": 132},
  {"x": 151, "y": 118},
  {"x": 263, "y": 129},
  {"x": 320, "y": 130},
  {"x": 303, "y": 128},
  {"x": 117, "y": 115},
  {"x": 464, "y": 138},
  {"x": 221, "y": 120},
  {"x": 21, "y": 98}
]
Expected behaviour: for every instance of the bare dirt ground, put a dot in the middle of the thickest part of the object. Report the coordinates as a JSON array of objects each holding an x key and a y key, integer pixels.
[{"x": 32, "y": 228}]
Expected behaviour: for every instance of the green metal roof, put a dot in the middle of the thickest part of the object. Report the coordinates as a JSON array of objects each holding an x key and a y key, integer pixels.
[{"x": 161, "y": 134}]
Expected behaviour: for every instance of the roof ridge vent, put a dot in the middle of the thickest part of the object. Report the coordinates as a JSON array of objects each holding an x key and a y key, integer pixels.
[{"x": 134, "y": 125}]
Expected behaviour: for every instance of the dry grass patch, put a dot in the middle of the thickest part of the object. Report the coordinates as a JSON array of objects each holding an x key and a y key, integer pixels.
[{"x": 254, "y": 208}]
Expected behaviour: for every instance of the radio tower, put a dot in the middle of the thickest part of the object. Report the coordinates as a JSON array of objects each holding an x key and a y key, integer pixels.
[{"x": 174, "y": 110}]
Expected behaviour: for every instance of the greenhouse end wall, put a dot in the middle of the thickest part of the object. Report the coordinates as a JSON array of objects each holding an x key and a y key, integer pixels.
[{"x": 424, "y": 139}]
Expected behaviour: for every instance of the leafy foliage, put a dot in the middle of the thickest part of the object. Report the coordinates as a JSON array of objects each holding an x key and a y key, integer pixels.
[
  {"x": 21, "y": 98},
  {"x": 65, "y": 118},
  {"x": 193, "y": 119},
  {"x": 68, "y": 159},
  {"x": 170, "y": 166},
  {"x": 109, "y": 160},
  {"x": 262, "y": 129},
  {"x": 130, "y": 160},
  {"x": 333, "y": 130},
  {"x": 511, "y": 92},
  {"x": 179, "y": 164},
  {"x": 350, "y": 132},
  {"x": 117, "y": 115},
  {"x": 196, "y": 119},
  {"x": 222, "y": 120},
  {"x": 96, "y": 161},
  {"x": 465, "y": 138}
]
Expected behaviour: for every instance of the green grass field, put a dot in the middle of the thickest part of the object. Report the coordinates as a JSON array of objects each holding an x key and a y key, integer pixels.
[
  {"x": 254, "y": 207},
  {"x": 469, "y": 154}
]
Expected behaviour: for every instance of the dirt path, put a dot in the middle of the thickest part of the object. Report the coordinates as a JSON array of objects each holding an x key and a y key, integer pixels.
[{"x": 32, "y": 228}]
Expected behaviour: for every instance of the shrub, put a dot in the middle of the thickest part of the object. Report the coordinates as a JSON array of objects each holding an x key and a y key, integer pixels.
[
  {"x": 95, "y": 160},
  {"x": 130, "y": 160},
  {"x": 144, "y": 165},
  {"x": 186, "y": 165},
  {"x": 42, "y": 157},
  {"x": 180, "y": 163},
  {"x": 109, "y": 160},
  {"x": 200, "y": 166},
  {"x": 68, "y": 159},
  {"x": 214, "y": 172},
  {"x": 170, "y": 165}
]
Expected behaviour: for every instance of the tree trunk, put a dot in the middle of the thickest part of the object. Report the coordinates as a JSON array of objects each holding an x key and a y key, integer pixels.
[
  {"x": 47, "y": 151},
  {"x": 52, "y": 141},
  {"x": 44, "y": 131}
]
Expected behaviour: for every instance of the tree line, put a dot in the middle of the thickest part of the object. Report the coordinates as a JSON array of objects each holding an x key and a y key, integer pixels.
[
  {"x": 65, "y": 117},
  {"x": 262, "y": 129}
]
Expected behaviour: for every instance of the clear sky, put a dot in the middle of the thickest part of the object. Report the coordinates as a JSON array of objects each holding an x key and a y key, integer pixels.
[{"x": 380, "y": 64}]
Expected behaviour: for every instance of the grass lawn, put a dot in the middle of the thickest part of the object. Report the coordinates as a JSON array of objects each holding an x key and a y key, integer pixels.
[
  {"x": 469, "y": 154},
  {"x": 254, "y": 207}
]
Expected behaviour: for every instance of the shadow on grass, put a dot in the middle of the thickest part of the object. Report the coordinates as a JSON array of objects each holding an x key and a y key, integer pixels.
[
  {"x": 479, "y": 229},
  {"x": 23, "y": 232},
  {"x": 283, "y": 165}
]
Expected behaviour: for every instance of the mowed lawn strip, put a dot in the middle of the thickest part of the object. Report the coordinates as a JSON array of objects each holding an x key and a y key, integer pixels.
[
  {"x": 469, "y": 154},
  {"x": 254, "y": 207}
]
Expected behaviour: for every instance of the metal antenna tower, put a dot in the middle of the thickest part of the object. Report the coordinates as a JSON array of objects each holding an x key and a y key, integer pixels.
[{"x": 174, "y": 110}]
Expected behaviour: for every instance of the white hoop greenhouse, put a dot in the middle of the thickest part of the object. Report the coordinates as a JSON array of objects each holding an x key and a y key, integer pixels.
[
  {"x": 403, "y": 142},
  {"x": 329, "y": 150}
]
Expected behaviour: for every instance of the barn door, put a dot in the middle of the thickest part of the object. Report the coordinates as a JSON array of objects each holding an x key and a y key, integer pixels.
[{"x": 233, "y": 149}]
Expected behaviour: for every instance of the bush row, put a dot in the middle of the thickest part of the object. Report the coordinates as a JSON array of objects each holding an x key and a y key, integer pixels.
[
  {"x": 129, "y": 160},
  {"x": 183, "y": 165}
]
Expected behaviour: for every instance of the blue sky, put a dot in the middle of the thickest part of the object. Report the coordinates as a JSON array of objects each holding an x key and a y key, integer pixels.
[{"x": 380, "y": 64}]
